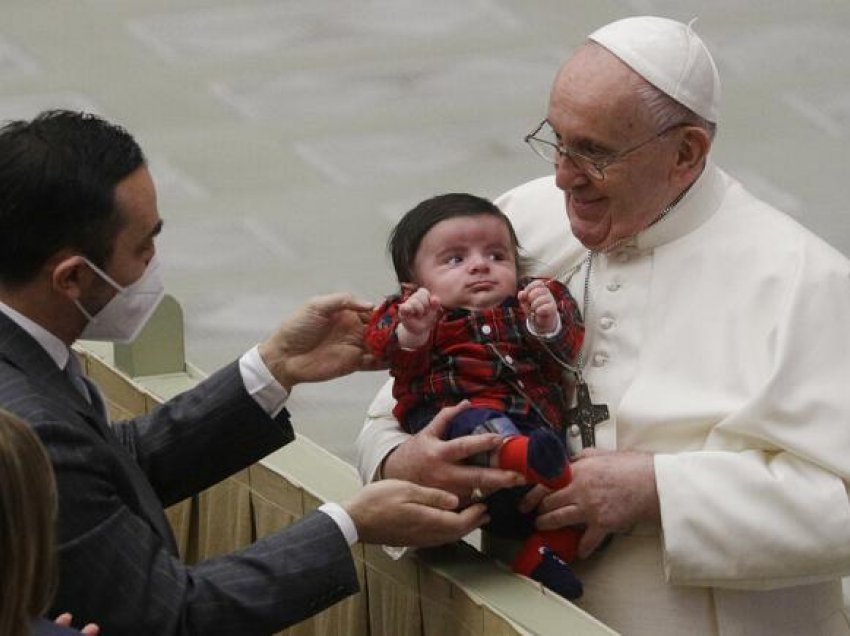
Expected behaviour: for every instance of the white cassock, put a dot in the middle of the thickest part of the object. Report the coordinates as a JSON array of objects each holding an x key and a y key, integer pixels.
[{"x": 719, "y": 338}]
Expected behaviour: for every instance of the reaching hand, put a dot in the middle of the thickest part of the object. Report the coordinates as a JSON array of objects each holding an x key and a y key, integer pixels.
[
  {"x": 427, "y": 459},
  {"x": 417, "y": 317},
  {"x": 322, "y": 340},
  {"x": 399, "y": 513},
  {"x": 539, "y": 303},
  {"x": 609, "y": 492}
]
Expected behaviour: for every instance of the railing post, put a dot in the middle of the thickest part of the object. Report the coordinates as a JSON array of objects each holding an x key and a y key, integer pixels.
[{"x": 159, "y": 348}]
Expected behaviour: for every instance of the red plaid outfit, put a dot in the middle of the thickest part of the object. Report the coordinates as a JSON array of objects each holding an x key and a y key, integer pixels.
[{"x": 487, "y": 356}]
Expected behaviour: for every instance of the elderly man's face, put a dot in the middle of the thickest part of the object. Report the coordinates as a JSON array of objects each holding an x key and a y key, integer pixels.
[{"x": 595, "y": 110}]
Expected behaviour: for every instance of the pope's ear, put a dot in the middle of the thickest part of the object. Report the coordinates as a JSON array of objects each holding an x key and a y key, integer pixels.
[
  {"x": 693, "y": 149},
  {"x": 68, "y": 274}
]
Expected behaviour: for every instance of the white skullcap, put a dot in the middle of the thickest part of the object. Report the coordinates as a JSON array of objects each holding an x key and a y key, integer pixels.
[{"x": 670, "y": 56}]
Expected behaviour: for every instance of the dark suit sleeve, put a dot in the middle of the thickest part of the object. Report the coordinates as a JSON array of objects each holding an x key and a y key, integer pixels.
[
  {"x": 118, "y": 567},
  {"x": 202, "y": 436},
  {"x": 125, "y": 580}
]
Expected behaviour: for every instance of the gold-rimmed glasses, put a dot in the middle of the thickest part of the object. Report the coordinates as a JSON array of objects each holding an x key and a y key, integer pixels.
[{"x": 545, "y": 143}]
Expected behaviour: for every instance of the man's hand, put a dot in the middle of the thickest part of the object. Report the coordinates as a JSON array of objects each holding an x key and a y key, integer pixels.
[
  {"x": 609, "y": 492},
  {"x": 417, "y": 316},
  {"x": 539, "y": 303},
  {"x": 399, "y": 513},
  {"x": 427, "y": 459},
  {"x": 65, "y": 619},
  {"x": 322, "y": 340}
]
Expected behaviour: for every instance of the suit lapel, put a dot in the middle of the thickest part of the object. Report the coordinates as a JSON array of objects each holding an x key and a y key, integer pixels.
[{"x": 23, "y": 352}]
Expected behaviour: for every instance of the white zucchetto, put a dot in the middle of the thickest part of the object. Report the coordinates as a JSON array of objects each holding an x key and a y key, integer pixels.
[{"x": 670, "y": 56}]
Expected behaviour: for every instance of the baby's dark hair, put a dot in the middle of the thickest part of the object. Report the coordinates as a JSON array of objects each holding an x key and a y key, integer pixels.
[{"x": 414, "y": 225}]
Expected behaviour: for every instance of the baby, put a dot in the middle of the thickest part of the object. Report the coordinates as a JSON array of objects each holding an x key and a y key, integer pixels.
[{"x": 465, "y": 326}]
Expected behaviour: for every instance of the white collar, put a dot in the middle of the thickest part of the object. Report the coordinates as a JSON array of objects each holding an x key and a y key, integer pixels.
[
  {"x": 54, "y": 347},
  {"x": 700, "y": 202}
]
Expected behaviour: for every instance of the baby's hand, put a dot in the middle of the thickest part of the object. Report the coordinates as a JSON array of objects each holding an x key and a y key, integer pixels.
[
  {"x": 539, "y": 303},
  {"x": 417, "y": 317}
]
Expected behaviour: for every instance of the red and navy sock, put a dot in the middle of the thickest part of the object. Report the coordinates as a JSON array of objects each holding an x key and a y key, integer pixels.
[
  {"x": 544, "y": 557},
  {"x": 540, "y": 457}
]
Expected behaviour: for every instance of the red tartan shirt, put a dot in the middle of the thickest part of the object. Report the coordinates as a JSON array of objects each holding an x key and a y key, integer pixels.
[{"x": 487, "y": 356}]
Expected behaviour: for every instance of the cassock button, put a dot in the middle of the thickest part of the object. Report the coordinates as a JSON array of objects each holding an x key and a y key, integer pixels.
[
  {"x": 606, "y": 322},
  {"x": 486, "y": 329},
  {"x": 613, "y": 286},
  {"x": 600, "y": 359}
]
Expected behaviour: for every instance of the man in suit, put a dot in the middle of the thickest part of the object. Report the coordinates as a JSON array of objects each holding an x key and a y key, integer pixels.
[{"x": 78, "y": 222}]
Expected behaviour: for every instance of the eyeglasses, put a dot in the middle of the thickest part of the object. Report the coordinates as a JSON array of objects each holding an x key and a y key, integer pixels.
[{"x": 545, "y": 143}]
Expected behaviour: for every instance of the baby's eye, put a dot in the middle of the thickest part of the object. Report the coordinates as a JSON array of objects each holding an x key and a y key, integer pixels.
[
  {"x": 454, "y": 259},
  {"x": 498, "y": 256}
]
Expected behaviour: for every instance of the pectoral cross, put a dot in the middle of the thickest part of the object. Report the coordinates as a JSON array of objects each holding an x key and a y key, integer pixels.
[{"x": 586, "y": 415}]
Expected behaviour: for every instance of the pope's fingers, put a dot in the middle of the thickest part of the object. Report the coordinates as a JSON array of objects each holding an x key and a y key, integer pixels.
[
  {"x": 590, "y": 540},
  {"x": 437, "y": 426},
  {"x": 560, "y": 518},
  {"x": 558, "y": 498},
  {"x": 466, "y": 479},
  {"x": 467, "y": 446},
  {"x": 532, "y": 498}
]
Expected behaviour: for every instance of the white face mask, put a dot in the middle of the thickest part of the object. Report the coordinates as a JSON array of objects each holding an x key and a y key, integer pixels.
[{"x": 123, "y": 317}]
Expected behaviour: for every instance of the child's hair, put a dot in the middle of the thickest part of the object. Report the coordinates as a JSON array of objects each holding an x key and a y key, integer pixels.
[
  {"x": 27, "y": 527},
  {"x": 411, "y": 229}
]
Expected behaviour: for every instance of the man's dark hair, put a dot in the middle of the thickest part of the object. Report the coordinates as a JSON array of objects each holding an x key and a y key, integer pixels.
[
  {"x": 414, "y": 225},
  {"x": 58, "y": 175}
]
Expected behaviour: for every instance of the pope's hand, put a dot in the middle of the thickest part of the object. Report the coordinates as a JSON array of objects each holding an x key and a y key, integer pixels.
[
  {"x": 322, "y": 340},
  {"x": 609, "y": 492},
  {"x": 427, "y": 459}
]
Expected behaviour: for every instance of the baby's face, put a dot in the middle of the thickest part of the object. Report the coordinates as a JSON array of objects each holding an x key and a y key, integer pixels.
[{"x": 467, "y": 262}]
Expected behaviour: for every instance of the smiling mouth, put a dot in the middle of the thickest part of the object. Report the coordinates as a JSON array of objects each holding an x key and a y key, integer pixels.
[{"x": 583, "y": 206}]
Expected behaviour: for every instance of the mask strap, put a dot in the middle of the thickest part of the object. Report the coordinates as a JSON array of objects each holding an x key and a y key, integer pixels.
[{"x": 103, "y": 275}]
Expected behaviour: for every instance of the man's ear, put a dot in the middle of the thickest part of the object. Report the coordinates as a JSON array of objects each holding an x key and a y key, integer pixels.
[
  {"x": 69, "y": 274},
  {"x": 409, "y": 288}
]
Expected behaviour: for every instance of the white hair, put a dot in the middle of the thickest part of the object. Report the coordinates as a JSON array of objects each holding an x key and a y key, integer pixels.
[{"x": 664, "y": 111}]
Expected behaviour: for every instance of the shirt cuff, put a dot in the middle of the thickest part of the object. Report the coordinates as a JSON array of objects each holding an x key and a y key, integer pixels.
[
  {"x": 261, "y": 385},
  {"x": 530, "y": 326},
  {"x": 342, "y": 519}
]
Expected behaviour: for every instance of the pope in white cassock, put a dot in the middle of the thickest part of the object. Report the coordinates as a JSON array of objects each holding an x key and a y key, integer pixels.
[{"x": 718, "y": 336}]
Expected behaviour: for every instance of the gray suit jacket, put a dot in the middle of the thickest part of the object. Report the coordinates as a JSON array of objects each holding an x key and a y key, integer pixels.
[{"x": 118, "y": 560}]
